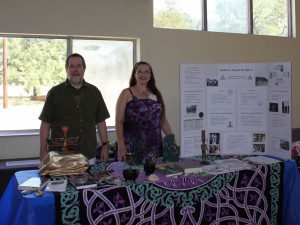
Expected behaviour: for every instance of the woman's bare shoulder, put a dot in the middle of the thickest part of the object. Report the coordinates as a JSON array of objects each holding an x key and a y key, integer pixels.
[{"x": 126, "y": 95}]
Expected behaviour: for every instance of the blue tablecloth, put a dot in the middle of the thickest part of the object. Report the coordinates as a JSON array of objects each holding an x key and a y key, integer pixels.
[
  {"x": 291, "y": 194},
  {"x": 16, "y": 208}
]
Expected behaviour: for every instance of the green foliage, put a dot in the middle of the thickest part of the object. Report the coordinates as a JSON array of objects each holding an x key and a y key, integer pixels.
[
  {"x": 171, "y": 18},
  {"x": 270, "y": 17},
  {"x": 35, "y": 62}
]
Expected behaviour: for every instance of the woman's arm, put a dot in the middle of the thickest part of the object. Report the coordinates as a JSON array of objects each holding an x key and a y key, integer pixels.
[
  {"x": 120, "y": 115},
  {"x": 166, "y": 128}
]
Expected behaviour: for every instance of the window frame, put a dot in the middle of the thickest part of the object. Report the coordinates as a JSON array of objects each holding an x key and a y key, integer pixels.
[
  {"x": 249, "y": 19},
  {"x": 69, "y": 50}
]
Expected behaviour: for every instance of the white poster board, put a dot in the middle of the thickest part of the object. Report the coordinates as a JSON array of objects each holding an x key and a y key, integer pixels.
[{"x": 243, "y": 108}]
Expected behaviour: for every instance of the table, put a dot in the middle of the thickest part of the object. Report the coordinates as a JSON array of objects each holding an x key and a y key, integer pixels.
[
  {"x": 144, "y": 201},
  {"x": 6, "y": 172},
  {"x": 16, "y": 208}
]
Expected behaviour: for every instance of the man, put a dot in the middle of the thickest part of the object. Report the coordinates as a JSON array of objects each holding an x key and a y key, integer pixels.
[{"x": 79, "y": 106}]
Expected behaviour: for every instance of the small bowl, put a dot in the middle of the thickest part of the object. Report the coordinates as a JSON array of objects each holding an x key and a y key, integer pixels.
[{"x": 130, "y": 174}]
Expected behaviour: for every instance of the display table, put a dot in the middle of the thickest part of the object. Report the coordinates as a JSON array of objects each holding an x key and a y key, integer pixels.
[
  {"x": 16, "y": 208},
  {"x": 7, "y": 171},
  {"x": 242, "y": 197}
]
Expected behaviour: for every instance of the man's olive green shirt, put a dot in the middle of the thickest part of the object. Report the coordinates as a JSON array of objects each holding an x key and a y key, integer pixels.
[{"x": 61, "y": 109}]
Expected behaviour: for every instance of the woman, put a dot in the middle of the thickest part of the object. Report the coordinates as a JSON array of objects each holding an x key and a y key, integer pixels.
[{"x": 140, "y": 114}]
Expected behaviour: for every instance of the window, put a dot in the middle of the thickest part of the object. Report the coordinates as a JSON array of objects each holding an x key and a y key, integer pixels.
[
  {"x": 227, "y": 16},
  {"x": 109, "y": 65},
  {"x": 34, "y": 65},
  {"x": 270, "y": 17},
  {"x": 177, "y": 14},
  {"x": 261, "y": 17}
]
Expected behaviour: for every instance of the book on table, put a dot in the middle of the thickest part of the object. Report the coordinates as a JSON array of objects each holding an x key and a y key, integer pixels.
[
  {"x": 82, "y": 181},
  {"x": 57, "y": 186},
  {"x": 170, "y": 170},
  {"x": 189, "y": 166},
  {"x": 32, "y": 183}
]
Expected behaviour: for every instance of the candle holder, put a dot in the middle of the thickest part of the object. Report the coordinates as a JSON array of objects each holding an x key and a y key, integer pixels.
[
  {"x": 61, "y": 161},
  {"x": 130, "y": 158},
  {"x": 130, "y": 174},
  {"x": 149, "y": 167},
  {"x": 65, "y": 143},
  {"x": 203, "y": 148}
]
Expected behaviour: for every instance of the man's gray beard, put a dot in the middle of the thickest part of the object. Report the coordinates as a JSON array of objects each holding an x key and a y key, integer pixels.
[{"x": 75, "y": 80}]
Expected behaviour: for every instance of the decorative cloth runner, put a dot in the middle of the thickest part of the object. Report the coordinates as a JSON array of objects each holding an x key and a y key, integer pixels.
[{"x": 251, "y": 196}]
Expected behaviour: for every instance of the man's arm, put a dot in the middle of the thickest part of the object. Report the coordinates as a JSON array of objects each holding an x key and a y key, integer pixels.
[
  {"x": 44, "y": 134},
  {"x": 102, "y": 132}
]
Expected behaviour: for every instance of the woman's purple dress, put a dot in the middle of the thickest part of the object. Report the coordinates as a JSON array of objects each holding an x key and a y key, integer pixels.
[{"x": 142, "y": 125}]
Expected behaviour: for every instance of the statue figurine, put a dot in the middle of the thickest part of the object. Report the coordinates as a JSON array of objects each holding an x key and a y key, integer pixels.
[{"x": 170, "y": 149}]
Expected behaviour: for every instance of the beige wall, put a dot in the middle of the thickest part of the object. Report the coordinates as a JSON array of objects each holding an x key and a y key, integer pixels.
[{"x": 164, "y": 49}]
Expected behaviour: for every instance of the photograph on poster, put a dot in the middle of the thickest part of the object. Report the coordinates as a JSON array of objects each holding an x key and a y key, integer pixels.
[
  {"x": 214, "y": 138},
  {"x": 259, "y": 137},
  {"x": 285, "y": 107},
  {"x": 259, "y": 148},
  {"x": 261, "y": 81},
  {"x": 192, "y": 109},
  {"x": 279, "y": 68},
  {"x": 212, "y": 82},
  {"x": 273, "y": 107},
  {"x": 214, "y": 149},
  {"x": 284, "y": 144}
]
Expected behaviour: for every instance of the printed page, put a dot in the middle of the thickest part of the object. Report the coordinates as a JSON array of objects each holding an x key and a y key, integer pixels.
[
  {"x": 236, "y": 75},
  {"x": 193, "y": 109},
  {"x": 280, "y": 108},
  {"x": 264, "y": 160}
]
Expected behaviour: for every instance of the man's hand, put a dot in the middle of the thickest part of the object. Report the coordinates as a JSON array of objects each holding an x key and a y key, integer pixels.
[{"x": 104, "y": 153}]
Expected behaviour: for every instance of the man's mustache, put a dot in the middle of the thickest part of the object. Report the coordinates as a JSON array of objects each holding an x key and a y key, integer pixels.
[{"x": 75, "y": 74}]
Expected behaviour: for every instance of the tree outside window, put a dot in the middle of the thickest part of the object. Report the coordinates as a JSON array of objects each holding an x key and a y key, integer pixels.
[
  {"x": 270, "y": 17},
  {"x": 34, "y": 65},
  {"x": 177, "y": 14}
]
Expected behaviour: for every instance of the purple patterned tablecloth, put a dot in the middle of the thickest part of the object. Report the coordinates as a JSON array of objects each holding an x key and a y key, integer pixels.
[{"x": 243, "y": 197}]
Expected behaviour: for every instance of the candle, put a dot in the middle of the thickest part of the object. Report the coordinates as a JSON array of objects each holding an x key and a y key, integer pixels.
[
  {"x": 203, "y": 136},
  {"x": 64, "y": 130}
]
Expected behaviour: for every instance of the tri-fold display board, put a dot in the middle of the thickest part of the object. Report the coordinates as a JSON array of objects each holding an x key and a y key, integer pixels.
[{"x": 243, "y": 108}]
